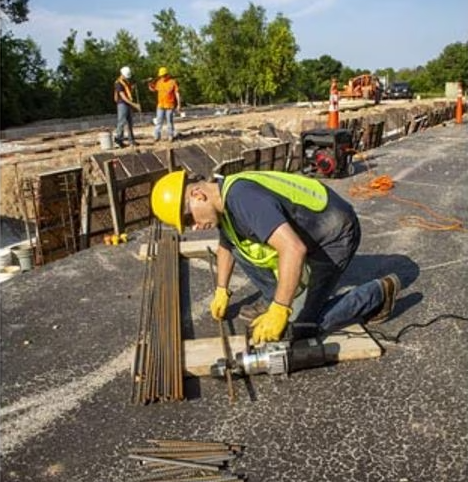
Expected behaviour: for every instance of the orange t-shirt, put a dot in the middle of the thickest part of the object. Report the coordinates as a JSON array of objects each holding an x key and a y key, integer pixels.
[{"x": 166, "y": 89}]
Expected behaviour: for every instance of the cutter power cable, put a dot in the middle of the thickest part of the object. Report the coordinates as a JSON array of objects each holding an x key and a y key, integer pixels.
[{"x": 396, "y": 339}]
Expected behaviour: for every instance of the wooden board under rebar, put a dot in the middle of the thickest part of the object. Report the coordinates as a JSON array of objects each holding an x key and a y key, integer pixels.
[
  {"x": 188, "y": 249},
  {"x": 200, "y": 354}
]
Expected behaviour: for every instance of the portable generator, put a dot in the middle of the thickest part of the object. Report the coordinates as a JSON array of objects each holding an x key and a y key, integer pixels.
[{"x": 327, "y": 153}]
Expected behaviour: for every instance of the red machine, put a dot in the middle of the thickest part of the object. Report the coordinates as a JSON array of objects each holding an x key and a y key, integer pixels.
[{"x": 327, "y": 153}]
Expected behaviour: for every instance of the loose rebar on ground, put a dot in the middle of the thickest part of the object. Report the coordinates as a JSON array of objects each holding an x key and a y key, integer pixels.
[{"x": 187, "y": 460}]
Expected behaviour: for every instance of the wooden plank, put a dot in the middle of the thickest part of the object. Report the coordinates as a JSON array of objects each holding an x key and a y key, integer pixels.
[
  {"x": 86, "y": 206},
  {"x": 223, "y": 150},
  {"x": 151, "y": 162},
  {"x": 280, "y": 155},
  {"x": 132, "y": 164},
  {"x": 194, "y": 160},
  {"x": 147, "y": 177},
  {"x": 251, "y": 159},
  {"x": 58, "y": 221},
  {"x": 230, "y": 167},
  {"x": 200, "y": 354},
  {"x": 101, "y": 159},
  {"x": 266, "y": 159},
  {"x": 188, "y": 249},
  {"x": 114, "y": 199}
]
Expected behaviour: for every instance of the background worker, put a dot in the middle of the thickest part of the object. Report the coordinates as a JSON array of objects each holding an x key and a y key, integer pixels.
[
  {"x": 292, "y": 235},
  {"x": 378, "y": 91},
  {"x": 125, "y": 105},
  {"x": 168, "y": 100}
]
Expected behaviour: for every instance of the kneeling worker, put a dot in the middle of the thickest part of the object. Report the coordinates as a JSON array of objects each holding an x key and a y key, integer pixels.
[{"x": 292, "y": 235}]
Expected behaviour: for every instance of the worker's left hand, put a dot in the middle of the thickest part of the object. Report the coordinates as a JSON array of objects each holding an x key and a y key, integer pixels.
[{"x": 270, "y": 325}]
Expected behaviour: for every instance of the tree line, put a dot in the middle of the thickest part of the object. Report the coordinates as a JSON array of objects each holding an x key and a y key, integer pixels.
[{"x": 241, "y": 59}]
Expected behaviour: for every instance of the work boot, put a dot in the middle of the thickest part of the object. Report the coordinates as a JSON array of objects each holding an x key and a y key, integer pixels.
[
  {"x": 391, "y": 286},
  {"x": 119, "y": 142},
  {"x": 250, "y": 312}
]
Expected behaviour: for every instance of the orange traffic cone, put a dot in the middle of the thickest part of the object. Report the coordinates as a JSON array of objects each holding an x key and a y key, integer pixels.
[
  {"x": 459, "y": 107},
  {"x": 333, "y": 110}
]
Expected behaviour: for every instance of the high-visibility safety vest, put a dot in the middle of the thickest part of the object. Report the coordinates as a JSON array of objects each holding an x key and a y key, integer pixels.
[
  {"x": 300, "y": 190},
  {"x": 127, "y": 88},
  {"x": 166, "y": 89}
]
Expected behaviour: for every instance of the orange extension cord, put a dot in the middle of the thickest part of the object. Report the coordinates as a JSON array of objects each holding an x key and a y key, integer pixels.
[{"x": 378, "y": 186}]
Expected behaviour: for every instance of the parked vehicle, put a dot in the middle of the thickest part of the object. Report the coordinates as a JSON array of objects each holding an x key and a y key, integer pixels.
[{"x": 399, "y": 90}]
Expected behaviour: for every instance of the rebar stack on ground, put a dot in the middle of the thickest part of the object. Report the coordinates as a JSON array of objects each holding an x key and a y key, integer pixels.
[
  {"x": 157, "y": 369},
  {"x": 186, "y": 460}
]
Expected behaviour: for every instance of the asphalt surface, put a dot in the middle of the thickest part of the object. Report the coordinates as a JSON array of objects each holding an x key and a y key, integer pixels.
[{"x": 68, "y": 329}]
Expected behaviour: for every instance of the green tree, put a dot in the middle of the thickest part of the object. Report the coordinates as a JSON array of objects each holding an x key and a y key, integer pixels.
[
  {"x": 85, "y": 77},
  {"x": 222, "y": 57},
  {"x": 246, "y": 85},
  {"x": 246, "y": 58},
  {"x": 450, "y": 66},
  {"x": 196, "y": 61},
  {"x": 26, "y": 90},
  {"x": 125, "y": 50},
  {"x": 306, "y": 84},
  {"x": 279, "y": 66},
  {"x": 15, "y": 10},
  {"x": 171, "y": 49},
  {"x": 314, "y": 76}
]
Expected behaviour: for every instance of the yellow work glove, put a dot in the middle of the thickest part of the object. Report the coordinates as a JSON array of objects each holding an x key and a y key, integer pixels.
[
  {"x": 270, "y": 325},
  {"x": 220, "y": 303}
]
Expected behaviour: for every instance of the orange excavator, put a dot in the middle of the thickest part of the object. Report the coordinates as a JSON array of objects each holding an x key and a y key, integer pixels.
[{"x": 360, "y": 87}]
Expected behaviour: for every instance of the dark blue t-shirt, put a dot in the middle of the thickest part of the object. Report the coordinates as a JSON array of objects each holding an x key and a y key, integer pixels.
[
  {"x": 119, "y": 88},
  {"x": 256, "y": 213}
]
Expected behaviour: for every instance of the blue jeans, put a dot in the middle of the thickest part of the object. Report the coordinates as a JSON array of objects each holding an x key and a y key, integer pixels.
[
  {"x": 124, "y": 117},
  {"x": 315, "y": 304},
  {"x": 162, "y": 114}
]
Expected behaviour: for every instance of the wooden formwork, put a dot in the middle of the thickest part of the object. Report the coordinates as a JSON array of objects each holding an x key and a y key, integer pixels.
[{"x": 124, "y": 182}]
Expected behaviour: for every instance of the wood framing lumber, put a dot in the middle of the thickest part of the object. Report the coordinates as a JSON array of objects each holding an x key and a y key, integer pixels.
[
  {"x": 114, "y": 199},
  {"x": 355, "y": 344}
]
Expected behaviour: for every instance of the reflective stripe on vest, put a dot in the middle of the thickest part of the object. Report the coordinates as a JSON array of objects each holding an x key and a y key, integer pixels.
[
  {"x": 127, "y": 88},
  {"x": 298, "y": 189}
]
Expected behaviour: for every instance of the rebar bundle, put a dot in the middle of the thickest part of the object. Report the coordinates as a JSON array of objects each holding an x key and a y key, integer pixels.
[
  {"x": 186, "y": 460},
  {"x": 157, "y": 369}
]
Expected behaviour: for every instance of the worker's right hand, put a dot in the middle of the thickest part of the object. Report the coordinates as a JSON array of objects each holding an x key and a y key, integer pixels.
[
  {"x": 220, "y": 303},
  {"x": 270, "y": 325}
]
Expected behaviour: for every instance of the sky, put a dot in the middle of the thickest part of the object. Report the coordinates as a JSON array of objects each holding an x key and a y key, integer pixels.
[{"x": 365, "y": 34}]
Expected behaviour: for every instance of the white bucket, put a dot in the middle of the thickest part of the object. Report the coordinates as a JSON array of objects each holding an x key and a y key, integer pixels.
[
  {"x": 8, "y": 272},
  {"x": 5, "y": 257},
  {"x": 24, "y": 255},
  {"x": 105, "y": 139}
]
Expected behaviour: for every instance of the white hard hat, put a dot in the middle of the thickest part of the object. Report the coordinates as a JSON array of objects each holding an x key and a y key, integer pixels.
[{"x": 126, "y": 72}]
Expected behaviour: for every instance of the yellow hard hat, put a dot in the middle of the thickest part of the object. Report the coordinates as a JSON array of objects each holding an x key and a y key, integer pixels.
[
  {"x": 162, "y": 71},
  {"x": 166, "y": 199}
]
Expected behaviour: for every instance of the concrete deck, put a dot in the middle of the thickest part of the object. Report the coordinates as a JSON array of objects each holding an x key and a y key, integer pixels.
[{"x": 68, "y": 328}]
